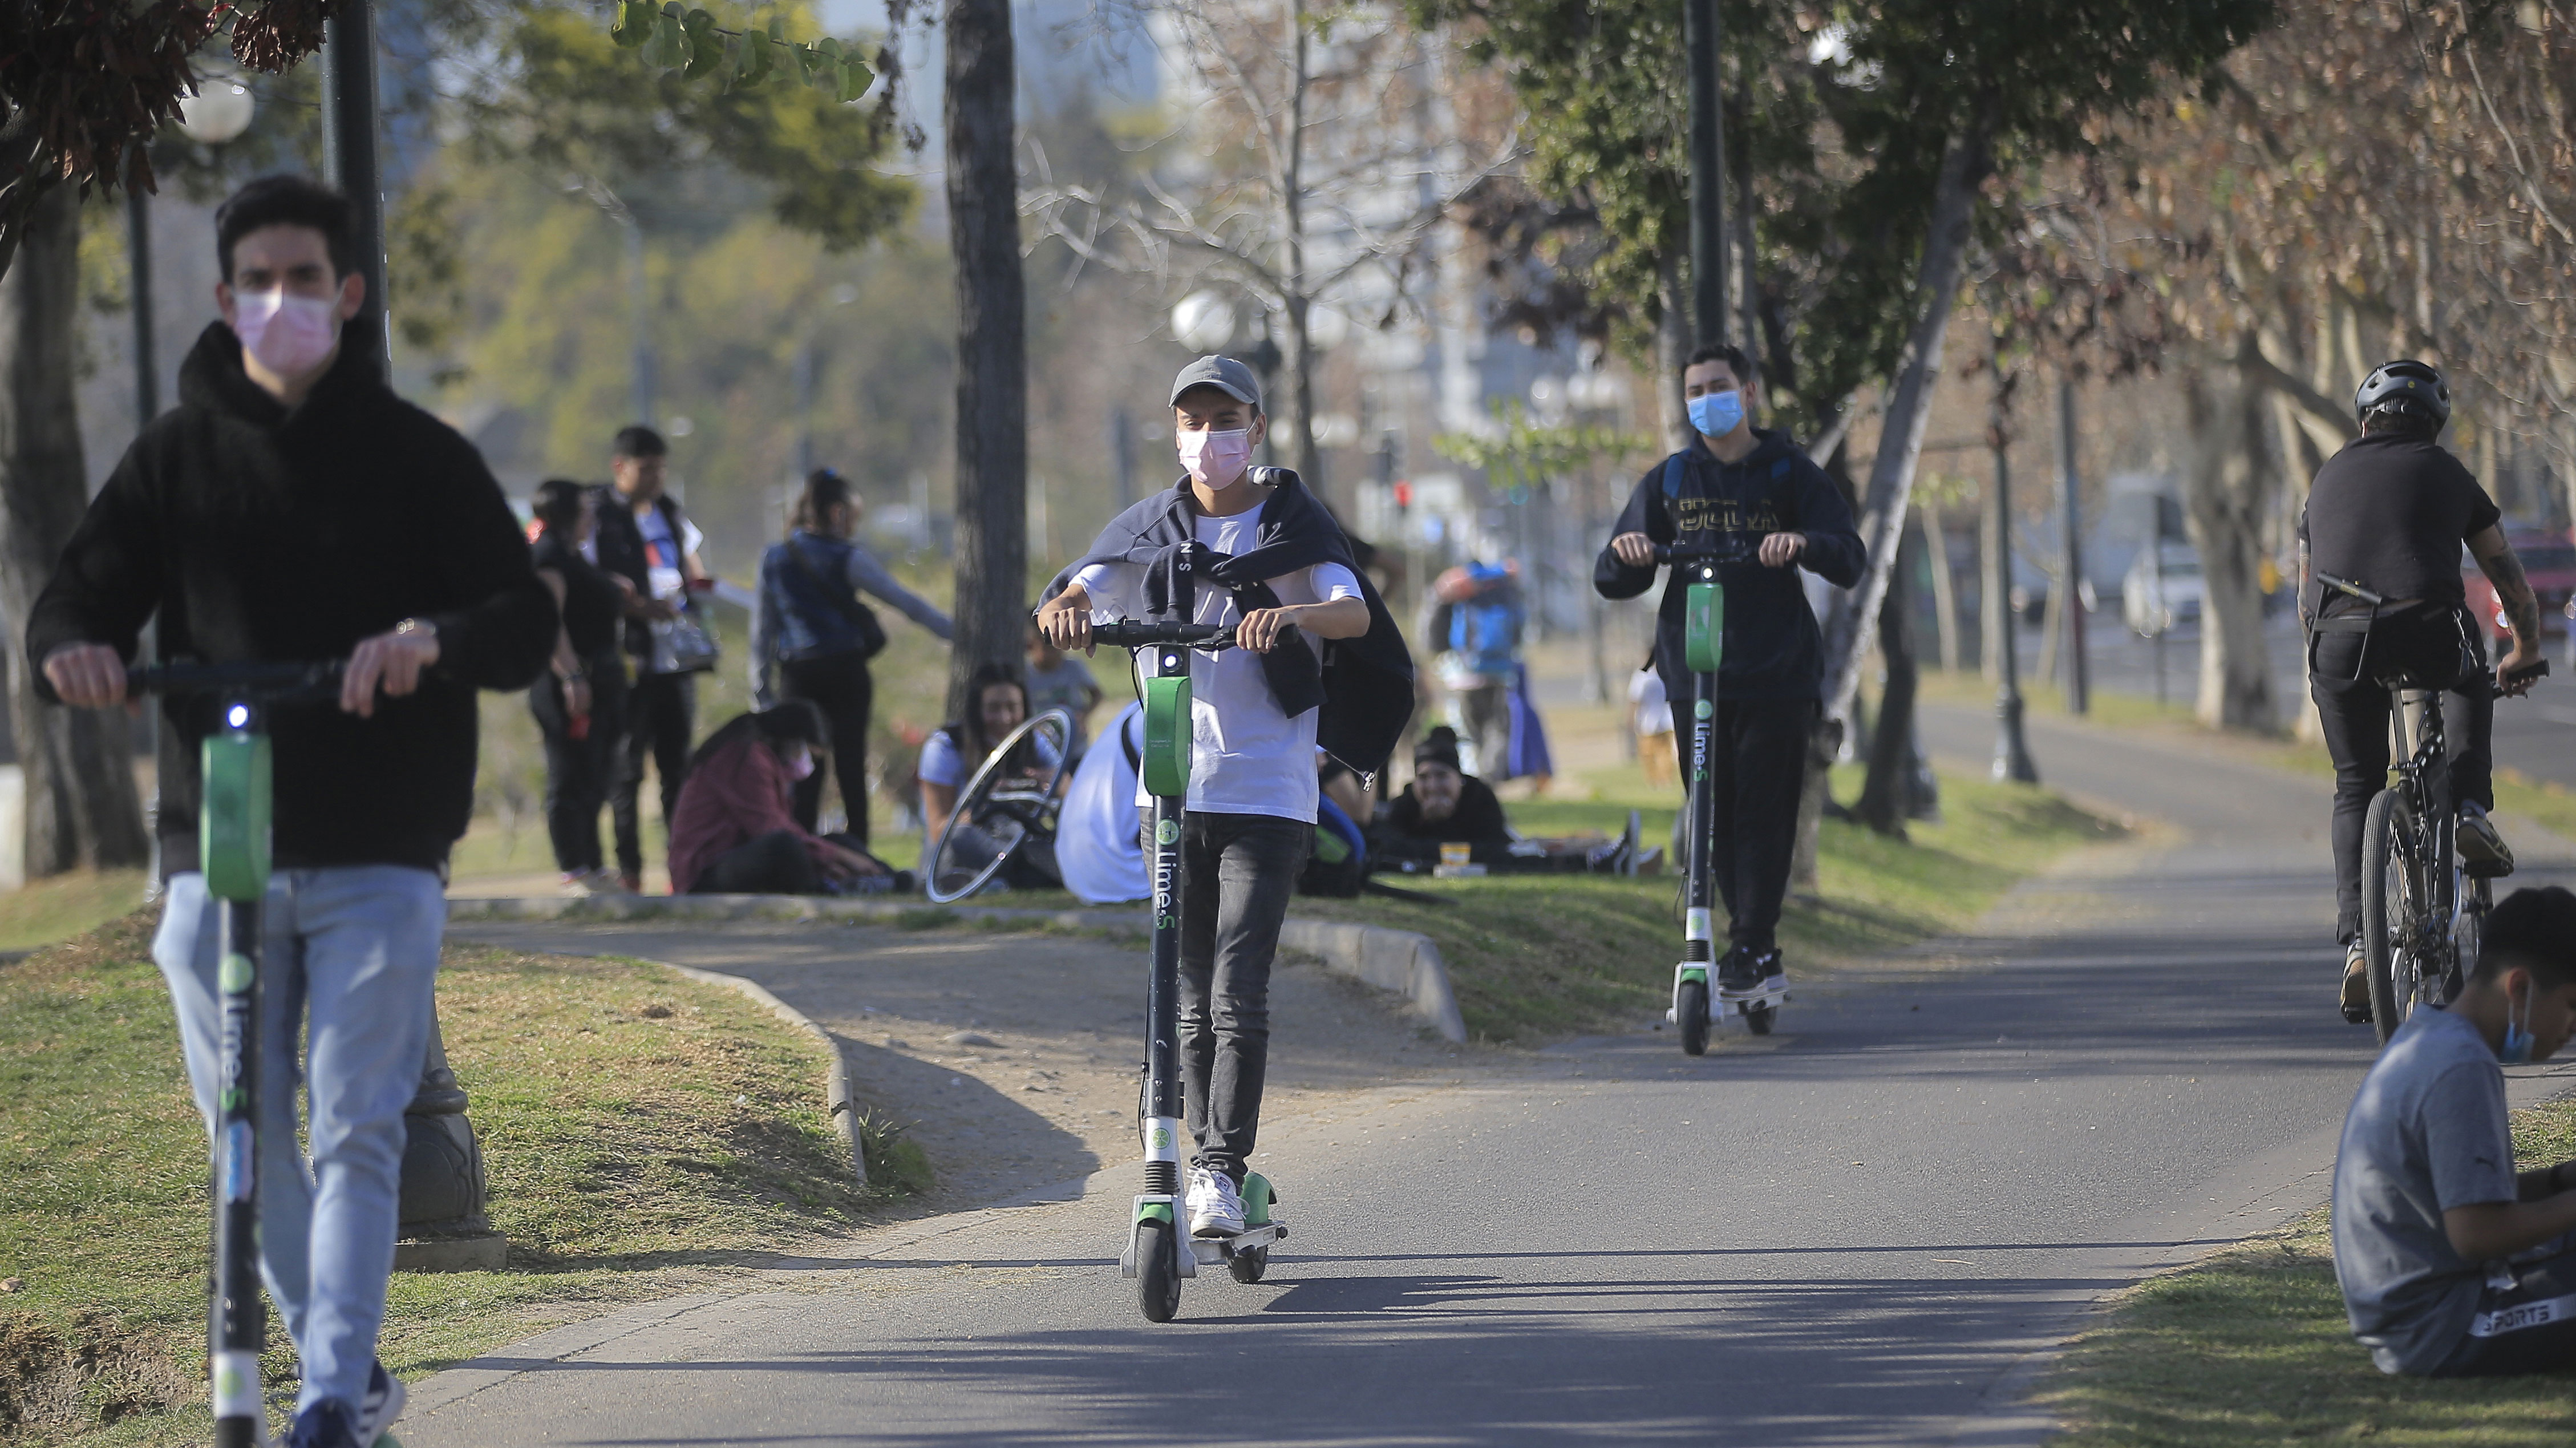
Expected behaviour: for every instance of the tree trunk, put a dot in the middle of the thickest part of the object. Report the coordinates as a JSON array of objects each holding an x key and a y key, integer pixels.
[
  {"x": 2226, "y": 492},
  {"x": 1891, "y": 472},
  {"x": 992, "y": 360},
  {"x": 1909, "y": 411},
  {"x": 1672, "y": 349},
  {"x": 1994, "y": 587},
  {"x": 82, "y": 809},
  {"x": 1887, "y": 795},
  {"x": 1296, "y": 351}
]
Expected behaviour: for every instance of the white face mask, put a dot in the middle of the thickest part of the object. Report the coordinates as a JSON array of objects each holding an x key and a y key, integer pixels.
[
  {"x": 1215, "y": 459},
  {"x": 289, "y": 334},
  {"x": 800, "y": 765}
]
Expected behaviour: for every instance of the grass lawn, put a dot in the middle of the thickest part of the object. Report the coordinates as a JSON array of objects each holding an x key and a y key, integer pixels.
[
  {"x": 2250, "y": 1347},
  {"x": 1539, "y": 956},
  {"x": 59, "y": 907},
  {"x": 641, "y": 1132}
]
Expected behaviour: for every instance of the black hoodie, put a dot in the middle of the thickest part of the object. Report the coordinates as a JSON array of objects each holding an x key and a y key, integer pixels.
[
  {"x": 260, "y": 533},
  {"x": 1772, "y": 649}
]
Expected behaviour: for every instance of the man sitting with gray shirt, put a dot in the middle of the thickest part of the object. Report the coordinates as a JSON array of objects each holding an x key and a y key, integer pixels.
[{"x": 2451, "y": 1264}]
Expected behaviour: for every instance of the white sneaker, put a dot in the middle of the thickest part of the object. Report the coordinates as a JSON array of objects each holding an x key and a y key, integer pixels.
[{"x": 1215, "y": 1204}]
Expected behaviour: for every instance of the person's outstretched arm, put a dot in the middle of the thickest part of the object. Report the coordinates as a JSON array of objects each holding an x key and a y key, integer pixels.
[
  {"x": 503, "y": 629},
  {"x": 867, "y": 575},
  {"x": 2521, "y": 605},
  {"x": 1832, "y": 548}
]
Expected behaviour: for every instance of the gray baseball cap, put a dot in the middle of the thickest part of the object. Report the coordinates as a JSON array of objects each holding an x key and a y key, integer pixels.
[{"x": 1222, "y": 373}]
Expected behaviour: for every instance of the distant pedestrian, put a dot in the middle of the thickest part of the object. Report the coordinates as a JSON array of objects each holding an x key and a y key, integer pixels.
[
  {"x": 1476, "y": 621},
  {"x": 580, "y": 706},
  {"x": 996, "y": 703},
  {"x": 645, "y": 537},
  {"x": 813, "y": 636}
]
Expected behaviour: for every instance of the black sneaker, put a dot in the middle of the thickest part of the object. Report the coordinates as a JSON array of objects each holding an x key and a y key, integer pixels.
[
  {"x": 1739, "y": 974},
  {"x": 2487, "y": 855},
  {"x": 329, "y": 1423},
  {"x": 1772, "y": 976}
]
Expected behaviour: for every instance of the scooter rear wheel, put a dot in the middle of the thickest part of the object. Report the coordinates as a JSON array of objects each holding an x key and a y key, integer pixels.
[
  {"x": 1158, "y": 1271},
  {"x": 1690, "y": 1012},
  {"x": 1248, "y": 1266},
  {"x": 1758, "y": 1019}
]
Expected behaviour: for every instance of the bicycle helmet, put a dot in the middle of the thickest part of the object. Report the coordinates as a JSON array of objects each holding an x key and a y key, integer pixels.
[{"x": 2406, "y": 386}]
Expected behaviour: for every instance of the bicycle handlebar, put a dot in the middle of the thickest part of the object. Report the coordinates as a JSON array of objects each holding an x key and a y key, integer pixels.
[{"x": 263, "y": 680}]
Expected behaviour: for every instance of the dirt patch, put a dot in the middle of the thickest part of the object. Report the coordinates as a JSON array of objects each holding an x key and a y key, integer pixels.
[{"x": 93, "y": 1371}]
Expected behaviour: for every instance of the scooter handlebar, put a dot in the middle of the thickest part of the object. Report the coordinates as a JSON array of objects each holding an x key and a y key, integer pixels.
[
  {"x": 1728, "y": 553},
  {"x": 259, "y": 680},
  {"x": 1129, "y": 634}
]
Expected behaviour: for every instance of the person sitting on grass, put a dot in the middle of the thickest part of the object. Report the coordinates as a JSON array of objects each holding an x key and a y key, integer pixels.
[
  {"x": 1443, "y": 805},
  {"x": 999, "y": 703},
  {"x": 736, "y": 833},
  {"x": 2452, "y": 1265}
]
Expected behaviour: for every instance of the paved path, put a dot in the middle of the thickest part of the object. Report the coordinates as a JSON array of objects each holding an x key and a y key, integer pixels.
[{"x": 1869, "y": 1228}]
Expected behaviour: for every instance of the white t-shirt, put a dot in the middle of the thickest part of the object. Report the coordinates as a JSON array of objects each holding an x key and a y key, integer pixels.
[
  {"x": 1246, "y": 757},
  {"x": 1096, "y": 845}
]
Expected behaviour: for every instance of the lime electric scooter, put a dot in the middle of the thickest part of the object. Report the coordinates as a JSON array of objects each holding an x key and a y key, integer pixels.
[
  {"x": 233, "y": 851},
  {"x": 1695, "y": 996},
  {"x": 1159, "y": 1251}
]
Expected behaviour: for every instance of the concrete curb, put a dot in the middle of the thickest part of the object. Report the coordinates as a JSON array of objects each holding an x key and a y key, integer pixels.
[
  {"x": 836, "y": 1081},
  {"x": 1403, "y": 961}
]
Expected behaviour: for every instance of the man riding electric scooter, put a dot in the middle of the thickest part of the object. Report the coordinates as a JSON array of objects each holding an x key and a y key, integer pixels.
[
  {"x": 1752, "y": 493},
  {"x": 1318, "y": 663},
  {"x": 292, "y": 508}
]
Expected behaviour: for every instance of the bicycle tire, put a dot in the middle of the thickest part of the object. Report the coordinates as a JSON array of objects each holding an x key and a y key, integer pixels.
[
  {"x": 2389, "y": 892},
  {"x": 944, "y": 879}
]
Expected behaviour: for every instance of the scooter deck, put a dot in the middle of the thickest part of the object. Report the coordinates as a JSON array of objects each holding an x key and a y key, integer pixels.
[
  {"x": 1767, "y": 1001},
  {"x": 1212, "y": 1250}
]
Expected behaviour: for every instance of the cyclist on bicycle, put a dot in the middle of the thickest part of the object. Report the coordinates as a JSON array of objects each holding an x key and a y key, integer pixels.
[{"x": 2385, "y": 518}]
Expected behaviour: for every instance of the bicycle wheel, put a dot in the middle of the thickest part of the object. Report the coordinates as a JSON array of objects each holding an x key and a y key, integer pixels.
[
  {"x": 999, "y": 808},
  {"x": 2468, "y": 937},
  {"x": 2390, "y": 901}
]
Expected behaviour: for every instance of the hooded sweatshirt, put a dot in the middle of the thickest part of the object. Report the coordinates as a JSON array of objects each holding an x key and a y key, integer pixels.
[
  {"x": 1772, "y": 649},
  {"x": 260, "y": 533},
  {"x": 1363, "y": 686}
]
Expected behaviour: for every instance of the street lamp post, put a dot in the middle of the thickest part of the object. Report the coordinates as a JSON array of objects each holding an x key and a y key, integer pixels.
[
  {"x": 2071, "y": 551},
  {"x": 1701, "y": 43},
  {"x": 444, "y": 1227}
]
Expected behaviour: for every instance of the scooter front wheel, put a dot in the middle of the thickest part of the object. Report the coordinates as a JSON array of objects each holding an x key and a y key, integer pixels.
[
  {"x": 1158, "y": 1271},
  {"x": 1690, "y": 1012}
]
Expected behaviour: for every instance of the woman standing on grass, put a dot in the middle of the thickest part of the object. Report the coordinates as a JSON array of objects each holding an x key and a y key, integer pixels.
[
  {"x": 580, "y": 706},
  {"x": 811, "y": 629}
]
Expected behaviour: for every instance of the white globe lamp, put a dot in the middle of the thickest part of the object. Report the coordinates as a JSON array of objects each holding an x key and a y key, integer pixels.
[
  {"x": 1203, "y": 322},
  {"x": 219, "y": 112}
]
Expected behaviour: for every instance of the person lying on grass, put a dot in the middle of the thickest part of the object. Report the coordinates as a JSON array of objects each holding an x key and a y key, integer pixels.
[
  {"x": 2451, "y": 1264},
  {"x": 1445, "y": 805}
]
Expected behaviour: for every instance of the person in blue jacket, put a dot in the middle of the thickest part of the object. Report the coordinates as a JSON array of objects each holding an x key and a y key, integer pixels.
[{"x": 1755, "y": 492}]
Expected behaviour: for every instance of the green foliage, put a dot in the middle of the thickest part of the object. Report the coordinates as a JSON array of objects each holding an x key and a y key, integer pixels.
[
  {"x": 1842, "y": 111},
  {"x": 575, "y": 103},
  {"x": 697, "y": 47},
  {"x": 1524, "y": 450}
]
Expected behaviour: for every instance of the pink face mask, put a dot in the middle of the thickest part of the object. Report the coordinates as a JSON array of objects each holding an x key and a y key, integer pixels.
[
  {"x": 1215, "y": 459},
  {"x": 290, "y": 335}
]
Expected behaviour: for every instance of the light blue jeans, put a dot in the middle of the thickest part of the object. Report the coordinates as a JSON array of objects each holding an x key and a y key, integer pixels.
[{"x": 350, "y": 955}]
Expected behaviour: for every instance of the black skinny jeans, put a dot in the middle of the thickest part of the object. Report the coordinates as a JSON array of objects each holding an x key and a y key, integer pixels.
[
  {"x": 660, "y": 709},
  {"x": 578, "y": 770},
  {"x": 2429, "y": 643},
  {"x": 777, "y": 863},
  {"x": 1237, "y": 874},
  {"x": 839, "y": 685},
  {"x": 1757, "y": 765}
]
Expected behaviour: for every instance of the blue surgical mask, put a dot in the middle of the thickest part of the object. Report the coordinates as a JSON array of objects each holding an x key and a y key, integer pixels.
[
  {"x": 2517, "y": 1040},
  {"x": 1715, "y": 414}
]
